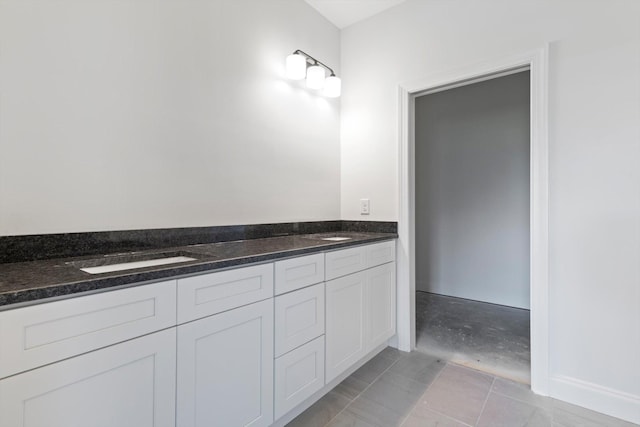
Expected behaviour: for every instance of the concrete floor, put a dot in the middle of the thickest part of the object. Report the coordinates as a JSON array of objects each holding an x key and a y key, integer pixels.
[{"x": 487, "y": 337}]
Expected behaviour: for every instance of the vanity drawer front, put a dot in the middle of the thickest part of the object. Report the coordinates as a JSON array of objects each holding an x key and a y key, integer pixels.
[
  {"x": 207, "y": 294},
  {"x": 380, "y": 253},
  {"x": 296, "y": 273},
  {"x": 299, "y": 318},
  {"x": 41, "y": 334},
  {"x": 345, "y": 261},
  {"x": 298, "y": 375}
]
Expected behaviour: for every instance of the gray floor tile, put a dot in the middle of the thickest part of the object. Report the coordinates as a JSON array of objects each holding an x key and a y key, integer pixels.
[
  {"x": 562, "y": 418},
  {"x": 392, "y": 353},
  {"x": 374, "y": 368},
  {"x": 389, "y": 391},
  {"x": 321, "y": 412},
  {"x": 351, "y": 387},
  {"x": 459, "y": 393},
  {"x": 374, "y": 413},
  {"x": 421, "y": 416},
  {"x": 521, "y": 392},
  {"x": 501, "y": 411},
  {"x": 540, "y": 418},
  {"x": 347, "y": 419},
  {"x": 395, "y": 392},
  {"x": 418, "y": 366}
]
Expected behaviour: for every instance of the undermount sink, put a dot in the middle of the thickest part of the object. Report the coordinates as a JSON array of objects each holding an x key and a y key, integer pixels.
[
  {"x": 131, "y": 261},
  {"x": 335, "y": 239},
  {"x": 329, "y": 237}
]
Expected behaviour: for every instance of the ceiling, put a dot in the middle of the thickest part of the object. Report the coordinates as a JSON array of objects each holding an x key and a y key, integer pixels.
[{"x": 343, "y": 13}]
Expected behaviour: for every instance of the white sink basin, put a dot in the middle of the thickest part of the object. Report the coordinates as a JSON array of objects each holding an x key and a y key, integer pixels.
[
  {"x": 132, "y": 260},
  {"x": 136, "y": 264}
]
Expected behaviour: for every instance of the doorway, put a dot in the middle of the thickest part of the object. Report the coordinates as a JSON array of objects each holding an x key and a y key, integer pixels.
[
  {"x": 472, "y": 224},
  {"x": 536, "y": 60}
]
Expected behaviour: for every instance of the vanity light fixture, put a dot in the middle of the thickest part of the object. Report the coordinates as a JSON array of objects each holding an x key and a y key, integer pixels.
[{"x": 300, "y": 65}]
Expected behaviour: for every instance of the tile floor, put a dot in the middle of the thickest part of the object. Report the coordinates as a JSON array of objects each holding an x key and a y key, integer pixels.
[
  {"x": 489, "y": 337},
  {"x": 420, "y": 390}
]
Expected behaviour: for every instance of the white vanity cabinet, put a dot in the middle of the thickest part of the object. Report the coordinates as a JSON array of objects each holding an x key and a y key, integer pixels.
[
  {"x": 246, "y": 346},
  {"x": 360, "y": 305}
]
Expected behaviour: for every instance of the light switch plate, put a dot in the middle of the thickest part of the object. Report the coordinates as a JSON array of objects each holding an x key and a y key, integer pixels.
[{"x": 364, "y": 206}]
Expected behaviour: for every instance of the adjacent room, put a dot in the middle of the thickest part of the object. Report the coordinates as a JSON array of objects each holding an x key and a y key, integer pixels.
[{"x": 472, "y": 224}]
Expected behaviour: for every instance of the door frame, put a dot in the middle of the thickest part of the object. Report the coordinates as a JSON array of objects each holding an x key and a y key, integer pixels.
[{"x": 537, "y": 62}]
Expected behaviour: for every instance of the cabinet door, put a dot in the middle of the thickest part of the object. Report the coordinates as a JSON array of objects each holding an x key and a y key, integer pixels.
[
  {"x": 131, "y": 384},
  {"x": 225, "y": 369},
  {"x": 345, "y": 317},
  {"x": 381, "y": 304}
]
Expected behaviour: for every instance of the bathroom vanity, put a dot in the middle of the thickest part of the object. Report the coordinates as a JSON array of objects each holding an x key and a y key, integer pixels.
[{"x": 235, "y": 343}]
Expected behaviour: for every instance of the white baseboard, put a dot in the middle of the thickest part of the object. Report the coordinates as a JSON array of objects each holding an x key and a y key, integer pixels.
[{"x": 592, "y": 396}]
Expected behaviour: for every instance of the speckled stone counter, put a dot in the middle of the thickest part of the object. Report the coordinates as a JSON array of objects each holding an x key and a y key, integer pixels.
[{"x": 30, "y": 282}]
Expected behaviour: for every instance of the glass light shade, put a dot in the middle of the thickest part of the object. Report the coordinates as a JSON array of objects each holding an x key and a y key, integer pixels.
[
  {"x": 332, "y": 87},
  {"x": 315, "y": 77},
  {"x": 296, "y": 66}
]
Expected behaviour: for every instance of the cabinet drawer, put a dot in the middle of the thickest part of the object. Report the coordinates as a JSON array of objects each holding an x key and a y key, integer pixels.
[
  {"x": 380, "y": 253},
  {"x": 41, "y": 334},
  {"x": 345, "y": 261},
  {"x": 296, "y": 273},
  {"x": 298, "y": 375},
  {"x": 208, "y": 294},
  {"x": 299, "y": 318}
]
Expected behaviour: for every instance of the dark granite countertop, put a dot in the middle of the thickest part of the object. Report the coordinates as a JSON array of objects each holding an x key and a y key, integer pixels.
[{"x": 29, "y": 282}]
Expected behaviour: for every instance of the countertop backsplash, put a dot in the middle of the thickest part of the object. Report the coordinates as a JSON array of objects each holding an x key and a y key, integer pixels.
[{"x": 65, "y": 245}]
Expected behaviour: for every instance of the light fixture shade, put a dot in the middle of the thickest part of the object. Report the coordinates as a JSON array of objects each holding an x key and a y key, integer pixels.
[
  {"x": 332, "y": 87},
  {"x": 296, "y": 66},
  {"x": 315, "y": 77}
]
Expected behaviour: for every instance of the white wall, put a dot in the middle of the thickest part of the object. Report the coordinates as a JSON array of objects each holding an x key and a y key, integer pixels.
[
  {"x": 162, "y": 113},
  {"x": 472, "y": 191},
  {"x": 594, "y": 139}
]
